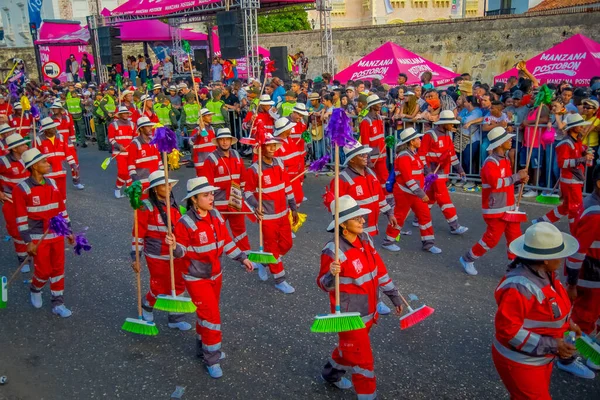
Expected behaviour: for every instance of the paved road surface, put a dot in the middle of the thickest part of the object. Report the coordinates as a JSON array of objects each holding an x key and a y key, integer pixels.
[{"x": 271, "y": 353}]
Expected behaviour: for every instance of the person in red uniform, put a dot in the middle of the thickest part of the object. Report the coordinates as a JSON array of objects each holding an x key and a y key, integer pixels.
[
  {"x": 66, "y": 128},
  {"x": 147, "y": 109},
  {"x": 571, "y": 156},
  {"x": 299, "y": 112},
  {"x": 5, "y": 109},
  {"x": 127, "y": 101},
  {"x": 408, "y": 190},
  {"x": 152, "y": 233},
  {"x": 12, "y": 172},
  {"x": 224, "y": 169},
  {"x": 436, "y": 149},
  {"x": 583, "y": 267},
  {"x": 5, "y": 131},
  {"x": 22, "y": 125},
  {"x": 362, "y": 274},
  {"x": 289, "y": 154},
  {"x": 121, "y": 133},
  {"x": 201, "y": 239},
  {"x": 533, "y": 314},
  {"x": 498, "y": 184},
  {"x": 143, "y": 158},
  {"x": 372, "y": 134},
  {"x": 56, "y": 147},
  {"x": 37, "y": 199},
  {"x": 262, "y": 121},
  {"x": 202, "y": 142},
  {"x": 277, "y": 201}
]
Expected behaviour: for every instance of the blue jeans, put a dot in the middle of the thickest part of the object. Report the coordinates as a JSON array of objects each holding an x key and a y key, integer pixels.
[
  {"x": 132, "y": 76},
  {"x": 552, "y": 172},
  {"x": 143, "y": 77},
  {"x": 470, "y": 155}
]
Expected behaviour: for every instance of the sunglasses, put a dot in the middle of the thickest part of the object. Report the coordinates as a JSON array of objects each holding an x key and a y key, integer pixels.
[{"x": 589, "y": 107}]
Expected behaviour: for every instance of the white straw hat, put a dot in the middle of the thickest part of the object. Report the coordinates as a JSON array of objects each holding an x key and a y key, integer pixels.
[
  {"x": 372, "y": 100},
  {"x": 56, "y": 104},
  {"x": 543, "y": 241},
  {"x": 48, "y": 123},
  {"x": 265, "y": 100},
  {"x": 348, "y": 209},
  {"x": 447, "y": 117},
  {"x": 144, "y": 121},
  {"x": 497, "y": 136},
  {"x": 409, "y": 134},
  {"x": 6, "y": 129},
  {"x": 206, "y": 111},
  {"x": 158, "y": 178},
  {"x": 353, "y": 150},
  {"x": 222, "y": 134},
  {"x": 32, "y": 156},
  {"x": 300, "y": 108},
  {"x": 15, "y": 140},
  {"x": 123, "y": 110},
  {"x": 198, "y": 185},
  {"x": 283, "y": 124},
  {"x": 573, "y": 120},
  {"x": 269, "y": 139}
]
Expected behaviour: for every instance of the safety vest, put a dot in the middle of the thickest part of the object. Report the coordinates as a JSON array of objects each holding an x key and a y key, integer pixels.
[
  {"x": 164, "y": 114},
  {"x": 74, "y": 105},
  {"x": 287, "y": 108},
  {"x": 192, "y": 113},
  {"x": 110, "y": 106},
  {"x": 97, "y": 109},
  {"x": 215, "y": 108}
]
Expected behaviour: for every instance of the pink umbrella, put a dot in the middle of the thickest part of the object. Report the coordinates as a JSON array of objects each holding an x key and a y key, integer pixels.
[{"x": 575, "y": 61}]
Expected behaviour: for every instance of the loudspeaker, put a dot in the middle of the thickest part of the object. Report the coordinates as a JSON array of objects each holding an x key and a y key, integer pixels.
[
  {"x": 201, "y": 63},
  {"x": 111, "y": 50},
  {"x": 279, "y": 55},
  {"x": 231, "y": 34}
]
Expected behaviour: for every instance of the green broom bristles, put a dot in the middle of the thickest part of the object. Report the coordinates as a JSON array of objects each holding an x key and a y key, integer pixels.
[
  {"x": 552, "y": 199},
  {"x": 140, "y": 327},
  {"x": 105, "y": 163},
  {"x": 587, "y": 348},
  {"x": 262, "y": 257},
  {"x": 337, "y": 322},
  {"x": 174, "y": 304}
]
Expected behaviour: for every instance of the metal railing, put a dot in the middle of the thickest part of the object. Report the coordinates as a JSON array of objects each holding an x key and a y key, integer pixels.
[{"x": 500, "y": 11}]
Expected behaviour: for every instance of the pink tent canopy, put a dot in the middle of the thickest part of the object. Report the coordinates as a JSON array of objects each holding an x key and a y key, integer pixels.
[
  {"x": 153, "y": 31},
  {"x": 164, "y": 7},
  {"x": 389, "y": 60},
  {"x": 575, "y": 61},
  {"x": 59, "y": 32}
]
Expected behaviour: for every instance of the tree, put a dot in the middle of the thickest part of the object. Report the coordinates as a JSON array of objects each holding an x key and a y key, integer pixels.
[{"x": 293, "y": 18}]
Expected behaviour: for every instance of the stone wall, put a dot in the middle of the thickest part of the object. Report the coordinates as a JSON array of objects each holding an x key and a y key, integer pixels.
[{"x": 485, "y": 47}]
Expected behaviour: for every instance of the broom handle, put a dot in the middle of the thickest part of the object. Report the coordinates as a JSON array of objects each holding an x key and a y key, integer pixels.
[
  {"x": 301, "y": 174},
  {"x": 405, "y": 302},
  {"x": 33, "y": 137},
  {"x": 260, "y": 231},
  {"x": 137, "y": 261},
  {"x": 14, "y": 275},
  {"x": 530, "y": 151},
  {"x": 21, "y": 119},
  {"x": 257, "y": 108},
  {"x": 237, "y": 213},
  {"x": 171, "y": 262},
  {"x": 336, "y": 229},
  {"x": 195, "y": 92}
]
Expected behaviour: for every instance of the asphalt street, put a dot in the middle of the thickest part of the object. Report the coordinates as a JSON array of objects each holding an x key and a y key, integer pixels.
[{"x": 271, "y": 353}]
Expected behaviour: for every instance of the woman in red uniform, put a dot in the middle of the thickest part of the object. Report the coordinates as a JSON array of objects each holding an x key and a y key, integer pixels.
[
  {"x": 362, "y": 273},
  {"x": 202, "y": 238},
  {"x": 533, "y": 313}
]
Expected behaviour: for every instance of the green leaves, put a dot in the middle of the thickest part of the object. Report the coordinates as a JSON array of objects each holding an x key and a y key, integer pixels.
[
  {"x": 293, "y": 18},
  {"x": 544, "y": 96}
]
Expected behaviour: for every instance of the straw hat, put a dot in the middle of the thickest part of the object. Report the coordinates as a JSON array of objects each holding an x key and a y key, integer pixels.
[
  {"x": 573, "y": 120},
  {"x": 17, "y": 106},
  {"x": 156, "y": 86},
  {"x": 543, "y": 241},
  {"x": 6, "y": 129},
  {"x": 48, "y": 123},
  {"x": 158, "y": 178},
  {"x": 590, "y": 102},
  {"x": 198, "y": 185},
  {"x": 354, "y": 150},
  {"x": 372, "y": 100},
  {"x": 348, "y": 209},
  {"x": 56, "y": 104},
  {"x": 222, "y": 134},
  {"x": 497, "y": 136},
  {"x": 466, "y": 88},
  {"x": 144, "y": 121},
  {"x": 145, "y": 97},
  {"x": 32, "y": 156},
  {"x": 300, "y": 108},
  {"x": 269, "y": 139},
  {"x": 15, "y": 140},
  {"x": 409, "y": 134},
  {"x": 206, "y": 111},
  {"x": 123, "y": 110},
  {"x": 283, "y": 124},
  {"x": 265, "y": 100},
  {"x": 314, "y": 96},
  {"x": 447, "y": 117}
]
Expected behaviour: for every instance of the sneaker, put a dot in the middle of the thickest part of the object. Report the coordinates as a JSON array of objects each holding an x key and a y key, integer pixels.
[
  {"x": 285, "y": 287},
  {"x": 147, "y": 316},
  {"x": 79, "y": 186},
  {"x": 407, "y": 232},
  {"x": 293, "y": 235},
  {"x": 434, "y": 250},
  {"x": 383, "y": 309},
  {"x": 393, "y": 247},
  {"x": 577, "y": 368},
  {"x": 25, "y": 269},
  {"x": 263, "y": 275},
  {"x": 182, "y": 326},
  {"x": 469, "y": 185},
  {"x": 415, "y": 223},
  {"x": 62, "y": 311},
  {"x": 535, "y": 221},
  {"x": 214, "y": 371},
  {"x": 118, "y": 194},
  {"x": 591, "y": 365},
  {"x": 343, "y": 383},
  {"x": 530, "y": 193},
  {"x": 469, "y": 267},
  {"x": 36, "y": 299},
  {"x": 459, "y": 231},
  {"x": 304, "y": 199}
]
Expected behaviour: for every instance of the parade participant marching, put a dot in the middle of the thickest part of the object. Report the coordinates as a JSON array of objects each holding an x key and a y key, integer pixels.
[
  {"x": 37, "y": 199},
  {"x": 5, "y": 131},
  {"x": 66, "y": 128},
  {"x": 152, "y": 232},
  {"x": 408, "y": 190},
  {"x": 75, "y": 109},
  {"x": 288, "y": 152},
  {"x": 224, "y": 169},
  {"x": 262, "y": 119},
  {"x": 143, "y": 158},
  {"x": 56, "y": 148},
  {"x": 22, "y": 125},
  {"x": 436, "y": 149},
  {"x": 297, "y": 116},
  {"x": 277, "y": 200},
  {"x": 372, "y": 134},
  {"x": 202, "y": 238},
  {"x": 498, "y": 184},
  {"x": 127, "y": 101},
  {"x": 12, "y": 172},
  {"x": 362, "y": 274},
  {"x": 121, "y": 133},
  {"x": 147, "y": 109},
  {"x": 533, "y": 314},
  {"x": 571, "y": 157},
  {"x": 202, "y": 142},
  {"x": 5, "y": 109}
]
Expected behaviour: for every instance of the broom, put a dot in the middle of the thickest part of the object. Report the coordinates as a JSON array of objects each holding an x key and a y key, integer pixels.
[
  {"x": 107, "y": 160},
  {"x": 166, "y": 140},
  {"x": 138, "y": 325},
  {"x": 552, "y": 199},
  {"x": 338, "y": 321},
  {"x": 585, "y": 346},
  {"x": 414, "y": 316}
]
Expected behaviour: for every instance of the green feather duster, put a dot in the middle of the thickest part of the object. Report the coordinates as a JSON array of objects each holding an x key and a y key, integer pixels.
[
  {"x": 185, "y": 45},
  {"x": 544, "y": 96},
  {"x": 119, "y": 81},
  {"x": 306, "y": 137},
  {"x": 390, "y": 141},
  {"x": 149, "y": 85},
  {"x": 134, "y": 192}
]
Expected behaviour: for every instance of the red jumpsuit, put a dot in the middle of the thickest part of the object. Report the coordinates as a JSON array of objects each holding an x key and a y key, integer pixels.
[
  {"x": 277, "y": 200},
  {"x": 362, "y": 274},
  {"x": 296, "y": 139},
  {"x": 533, "y": 311},
  {"x": 408, "y": 194},
  {"x": 202, "y": 147},
  {"x": 263, "y": 125},
  {"x": 372, "y": 134},
  {"x": 437, "y": 148},
  {"x": 143, "y": 159},
  {"x": 583, "y": 267},
  {"x": 5, "y": 110},
  {"x": 149, "y": 113},
  {"x": 35, "y": 205},
  {"x": 498, "y": 196},
  {"x": 152, "y": 230},
  {"x": 201, "y": 241},
  {"x": 66, "y": 127},
  {"x": 366, "y": 190},
  {"x": 12, "y": 171},
  {"x": 570, "y": 155},
  {"x": 58, "y": 149},
  {"x": 222, "y": 171},
  {"x": 122, "y": 133},
  {"x": 135, "y": 114},
  {"x": 26, "y": 124},
  {"x": 289, "y": 155}
]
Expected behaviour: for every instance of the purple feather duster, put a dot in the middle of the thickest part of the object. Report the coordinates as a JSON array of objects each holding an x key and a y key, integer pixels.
[
  {"x": 429, "y": 179},
  {"x": 339, "y": 130},
  {"x": 164, "y": 139},
  {"x": 60, "y": 226},
  {"x": 14, "y": 91},
  {"x": 318, "y": 165},
  {"x": 35, "y": 113},
  {"x": 81, "y": 243}
]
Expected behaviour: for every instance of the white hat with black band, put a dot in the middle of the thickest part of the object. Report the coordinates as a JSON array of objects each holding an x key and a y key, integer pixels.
[
  {"x": 573, "y": 120},
  {"x": 198, "y": 185},
  {"x": 372, "y": 100},
  {"x": 144, "y": 121},
  {"x": 353, "y": 150},
  {"x": 48, "y": 123},
  {"x": 56, "y": 104},
  {"x": 348, "y": 209},
  {"x": 269, "y": 139},
  {"x": 158, "y": 178},
  {"x": 497, "y": 136},
  {"x": 265, "y": 100},
  {"x": 123, "y": 110},
  {"x": 17, "y": 106},
  {"x": 283, "y": 124},
  {"x": 15, "y": 140},
  {"x": 409, "y": 134},
  {"x": 5, "y": 129},
  {"x": 206, "y": 111},
  {"x": 300, "y": 108},
  {"x": 32, "y": 156},
  {"x": 543, "y": 241},
  {"x": 224, "y": 133},
  {"x": 447, "y": 117}
]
